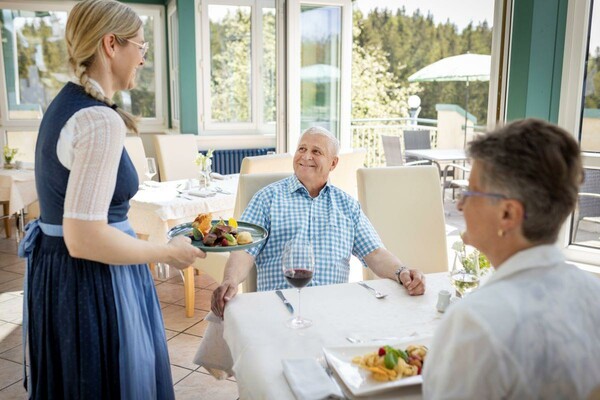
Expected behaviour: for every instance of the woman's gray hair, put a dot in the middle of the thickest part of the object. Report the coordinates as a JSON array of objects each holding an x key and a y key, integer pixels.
[
  {"x": 317, "y": 130},
  {"x": 536, "y": 163}
]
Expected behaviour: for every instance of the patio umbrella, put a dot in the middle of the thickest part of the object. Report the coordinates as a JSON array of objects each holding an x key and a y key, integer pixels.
[{"x": 465, "y": 68}]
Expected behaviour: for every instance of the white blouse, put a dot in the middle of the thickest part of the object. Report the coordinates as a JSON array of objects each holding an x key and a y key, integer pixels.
[
  {"x": 531, "y": 332},
  {"x": 90, "y": 146}
]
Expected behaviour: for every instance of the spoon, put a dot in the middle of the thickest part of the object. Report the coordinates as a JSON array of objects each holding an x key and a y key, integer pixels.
[{"x": 375, "y": 292}]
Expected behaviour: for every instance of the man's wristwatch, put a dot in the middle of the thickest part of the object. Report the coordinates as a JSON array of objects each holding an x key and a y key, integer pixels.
[{"x": 399, "y": 271}]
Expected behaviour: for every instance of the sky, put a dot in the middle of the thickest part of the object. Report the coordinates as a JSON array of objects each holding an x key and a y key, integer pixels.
[{"x": 459, "y": 13}]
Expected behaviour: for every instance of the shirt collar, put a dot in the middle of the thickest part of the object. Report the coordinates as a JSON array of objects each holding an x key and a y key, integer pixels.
[
  {"x": 294, "y": 185},
  {"x": 534, "y": 257}
]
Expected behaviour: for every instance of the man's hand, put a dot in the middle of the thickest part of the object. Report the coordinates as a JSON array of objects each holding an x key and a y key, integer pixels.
[
  {"x": 414, "y": 281},
  {"x": 221, "y": 296}
]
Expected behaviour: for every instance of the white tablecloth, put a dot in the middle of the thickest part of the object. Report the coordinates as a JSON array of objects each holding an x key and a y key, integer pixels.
[
  {"x": 255, "y": 331},
  {"x": 154, "y": 210},
  {"x": 17, "y": 186}
]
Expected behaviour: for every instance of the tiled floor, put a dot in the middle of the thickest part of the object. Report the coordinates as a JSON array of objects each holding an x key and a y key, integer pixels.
[{"x": 183, "y": 334}]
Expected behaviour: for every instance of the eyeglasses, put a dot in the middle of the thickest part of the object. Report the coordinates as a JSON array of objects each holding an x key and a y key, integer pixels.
[
  {"x": 143, "y": 47},
  {"x": 463, "y": 194}
]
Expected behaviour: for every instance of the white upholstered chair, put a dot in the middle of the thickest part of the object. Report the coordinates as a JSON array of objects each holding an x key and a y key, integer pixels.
[
  {"x": 135, "y": 149},
  {"x": 176, "y": 156},
  {"x": 214, "y": 263},
  {"x": 404, "y": 204},
  {"x": 344, "y": 175},
  {"x": 267, "y": 164}
]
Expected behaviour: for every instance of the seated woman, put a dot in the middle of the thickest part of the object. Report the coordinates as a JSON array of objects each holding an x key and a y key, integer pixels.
[{"x": 533, "y": 331}]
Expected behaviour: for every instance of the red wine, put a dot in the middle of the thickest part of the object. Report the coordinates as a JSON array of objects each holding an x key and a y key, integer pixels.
[{"x": 299, "y": 277}]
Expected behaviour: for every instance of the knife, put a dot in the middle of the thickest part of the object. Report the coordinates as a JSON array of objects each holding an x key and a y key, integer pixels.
[{"x": 285, "y": 301}]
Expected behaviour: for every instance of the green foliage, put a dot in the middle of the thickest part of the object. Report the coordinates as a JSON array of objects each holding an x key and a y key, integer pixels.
[{"x": 411, "y": 42}]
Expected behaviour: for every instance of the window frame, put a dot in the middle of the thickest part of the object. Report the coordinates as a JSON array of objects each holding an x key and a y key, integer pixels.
[
  {"x": 256, "y": 125},
  {"x": 146, "y": 124},
  {"x": 570, "y": 113},
  {"x": 173, "y": 41}
]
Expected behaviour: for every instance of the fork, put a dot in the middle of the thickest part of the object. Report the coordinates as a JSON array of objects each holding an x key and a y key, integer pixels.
[{"x": 377, "y": 294}]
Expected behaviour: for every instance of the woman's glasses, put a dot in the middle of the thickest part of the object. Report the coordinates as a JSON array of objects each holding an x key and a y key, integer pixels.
[
  {"x": 464, "y": 194},
  {"x": 142, "y": 46}
]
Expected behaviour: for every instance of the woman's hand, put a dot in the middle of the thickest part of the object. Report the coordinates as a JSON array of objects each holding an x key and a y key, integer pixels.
[{"x": 181, "y": 253}]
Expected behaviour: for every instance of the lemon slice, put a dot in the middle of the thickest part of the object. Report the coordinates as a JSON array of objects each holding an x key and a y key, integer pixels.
[{"x": 232, "y": 223}]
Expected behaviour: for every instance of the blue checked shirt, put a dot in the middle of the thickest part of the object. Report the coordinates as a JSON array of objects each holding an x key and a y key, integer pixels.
[{"x": 333, "y": 222}]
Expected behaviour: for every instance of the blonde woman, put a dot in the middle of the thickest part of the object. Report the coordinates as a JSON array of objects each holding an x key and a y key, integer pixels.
[{"x": 93, "y": 324}]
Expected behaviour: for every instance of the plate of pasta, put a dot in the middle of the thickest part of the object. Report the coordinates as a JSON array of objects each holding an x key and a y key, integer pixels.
[{"x": 377, "y": 367}]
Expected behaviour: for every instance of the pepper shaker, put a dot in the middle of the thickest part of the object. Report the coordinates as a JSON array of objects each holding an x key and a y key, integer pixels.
[{"x": 443, "y": 300}]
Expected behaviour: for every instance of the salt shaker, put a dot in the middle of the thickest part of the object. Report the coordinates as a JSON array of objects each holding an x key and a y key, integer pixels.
[{"x": 443, "y": 300}]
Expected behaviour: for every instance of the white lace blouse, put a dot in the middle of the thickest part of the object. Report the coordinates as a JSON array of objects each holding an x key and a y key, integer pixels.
[{"x": 90, "y": 146}]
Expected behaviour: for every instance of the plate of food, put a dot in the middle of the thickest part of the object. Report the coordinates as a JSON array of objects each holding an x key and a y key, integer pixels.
[
  {"x": 219, "y": 235},
  {"x": 377, "y": 367}
]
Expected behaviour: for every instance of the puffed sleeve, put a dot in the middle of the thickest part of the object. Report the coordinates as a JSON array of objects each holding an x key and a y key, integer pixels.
[{"x": 97, "y": 137}]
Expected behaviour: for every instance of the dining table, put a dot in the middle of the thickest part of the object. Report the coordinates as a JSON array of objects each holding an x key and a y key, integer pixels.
[
  {"x": 159, "y": 206},
  {"x": 17, "y": 191},
  {"x": 254, "y": 339}
]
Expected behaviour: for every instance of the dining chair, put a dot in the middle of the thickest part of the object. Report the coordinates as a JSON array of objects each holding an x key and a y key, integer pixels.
[
  {"x": 137, "y": 154},
  {"x": 449, "y": 182},
  {"x": 404, "y": 205},
  {"x": 416, "y": 139},
  {"x": 344, "y": 175},
  {"x": 176, "y": 156},
  {"x": 249, "y": 184},
  {"x": 267, "y": 163}
]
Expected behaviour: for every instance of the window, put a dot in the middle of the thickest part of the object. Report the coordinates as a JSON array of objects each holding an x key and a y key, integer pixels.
[
  {"x": 33, "y": 63},
  {"x": 238, "y": 68},
  {"x": 173, "y": 35},
  {"x": 580, "y": 113}
]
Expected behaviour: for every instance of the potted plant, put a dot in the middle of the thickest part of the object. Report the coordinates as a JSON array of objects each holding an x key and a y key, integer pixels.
[{"x": 9, "y": 156}]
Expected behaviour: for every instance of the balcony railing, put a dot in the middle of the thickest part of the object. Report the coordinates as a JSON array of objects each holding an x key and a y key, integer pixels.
[{"x": 366, "y": 134}]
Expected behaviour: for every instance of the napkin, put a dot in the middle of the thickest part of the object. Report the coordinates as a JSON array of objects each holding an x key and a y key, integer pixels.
[
  {"x": 216, "y": 175},
  {"x": 213, "y": 353},
  {"x": 152, "y": 183},
  {"x": 308, "y": 380},
  {"x": 201, "y": 192}
]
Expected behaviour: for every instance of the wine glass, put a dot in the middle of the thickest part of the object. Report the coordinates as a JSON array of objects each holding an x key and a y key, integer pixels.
[
  {"x": 298, "y": 267},
  {"x": 150, "y": 168},
  {"x": 465, "y": 272}
]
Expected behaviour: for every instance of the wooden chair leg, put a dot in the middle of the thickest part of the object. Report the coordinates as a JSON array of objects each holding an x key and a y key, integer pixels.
[
  {"x": 190, "y": 291},
  {"x": 7, "y": 227}
]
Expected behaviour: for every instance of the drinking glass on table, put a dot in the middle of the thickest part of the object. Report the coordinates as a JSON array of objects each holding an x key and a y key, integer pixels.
[
  {"x": 465, "y": 272},
  {"x": 298, "y": 267},
  {"x": 150, "y": 168}
]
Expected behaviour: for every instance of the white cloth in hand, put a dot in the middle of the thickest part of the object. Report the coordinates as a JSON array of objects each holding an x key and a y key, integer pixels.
[
  {"x": 308, "y": 380},
  {"x": 213, "y": 353}
]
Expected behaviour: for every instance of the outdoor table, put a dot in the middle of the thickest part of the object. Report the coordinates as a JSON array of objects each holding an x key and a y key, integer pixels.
[{"x": 255, "y": 332}]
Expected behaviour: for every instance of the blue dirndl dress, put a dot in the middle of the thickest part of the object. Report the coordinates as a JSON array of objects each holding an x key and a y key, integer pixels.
[{"x": 94, "y": 331}]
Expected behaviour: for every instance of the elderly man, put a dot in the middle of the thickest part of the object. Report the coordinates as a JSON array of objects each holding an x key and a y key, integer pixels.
[{"x": 305, "y": 205}]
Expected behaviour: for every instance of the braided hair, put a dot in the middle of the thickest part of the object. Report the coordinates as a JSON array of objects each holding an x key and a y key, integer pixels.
[{"x": 87, "y": 24}]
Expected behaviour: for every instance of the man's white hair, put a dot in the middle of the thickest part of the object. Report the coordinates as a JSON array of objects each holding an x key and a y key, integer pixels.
[{"x": 317, "y": 130}]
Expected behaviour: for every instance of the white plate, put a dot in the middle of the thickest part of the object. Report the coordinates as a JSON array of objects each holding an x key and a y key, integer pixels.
[{"x": 359, "y": 380}]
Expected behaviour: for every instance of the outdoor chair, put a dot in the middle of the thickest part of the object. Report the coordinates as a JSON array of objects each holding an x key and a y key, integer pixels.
[
  {"x": 249, "y": 184},
  {"x": 588, "y": 207},
  {"x": 450, "y": 183},
  {"x": 176, "y": 156},
  {"x": 416, "y": 139},
  {"x": 392, "y": 150},
  {"x": 405, "y": 207},
  {"x": 135, "y": 149}
]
